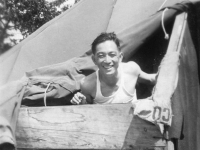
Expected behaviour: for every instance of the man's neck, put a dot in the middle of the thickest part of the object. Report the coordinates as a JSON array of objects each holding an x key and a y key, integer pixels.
[{"x": 110, "y": 80}]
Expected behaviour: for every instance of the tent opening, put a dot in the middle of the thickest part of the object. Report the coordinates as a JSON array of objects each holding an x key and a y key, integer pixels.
[{"x": 149, "y": 57}]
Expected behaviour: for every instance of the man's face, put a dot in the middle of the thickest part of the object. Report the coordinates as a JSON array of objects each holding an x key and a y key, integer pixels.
[{"x": 107, "y": 57}]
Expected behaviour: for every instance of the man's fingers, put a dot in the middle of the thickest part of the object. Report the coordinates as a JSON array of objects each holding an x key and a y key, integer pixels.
[
  {"x": 78, "y": 98},
  {"x": 81, "y": 96},
  {"x": 75, "y": 101},
  {"x": 72, "y": 101}
]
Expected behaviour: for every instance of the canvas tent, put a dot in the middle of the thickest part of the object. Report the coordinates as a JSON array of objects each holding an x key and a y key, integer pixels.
[
  {"x": 67, "y": 32},
  {"x": 47, "y": 46}
]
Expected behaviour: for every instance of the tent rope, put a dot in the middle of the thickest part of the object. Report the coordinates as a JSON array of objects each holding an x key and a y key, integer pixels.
[
  {"x": 162, "y": 5},
  {"x": 45, "y": 94},
  {"x": 163, "y": 27}
]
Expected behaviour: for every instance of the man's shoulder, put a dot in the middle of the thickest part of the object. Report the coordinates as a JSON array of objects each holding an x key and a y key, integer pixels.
[
  {"x": 131, "y": 67},
  {"x": 89, "y": 82},
  {"x": 132, "y": 63}
]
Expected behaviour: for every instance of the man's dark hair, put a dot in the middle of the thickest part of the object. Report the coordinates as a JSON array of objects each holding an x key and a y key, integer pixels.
[{"x": 105, "y": 37}]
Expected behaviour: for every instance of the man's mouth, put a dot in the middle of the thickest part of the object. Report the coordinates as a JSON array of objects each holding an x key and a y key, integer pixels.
[{"x": 108, "y": 67}]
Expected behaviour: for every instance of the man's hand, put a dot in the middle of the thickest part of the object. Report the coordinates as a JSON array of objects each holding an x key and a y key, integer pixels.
[
  {"x": 148, "y": 78},
  {"x": 78, "y": 98}
]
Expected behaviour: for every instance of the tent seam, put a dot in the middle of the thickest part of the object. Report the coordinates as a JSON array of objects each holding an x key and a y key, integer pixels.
[{"x": 111, "y": 14}]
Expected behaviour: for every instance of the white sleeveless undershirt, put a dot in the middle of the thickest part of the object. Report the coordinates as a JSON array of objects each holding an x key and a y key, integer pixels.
[{"x": 120, "y": 96}]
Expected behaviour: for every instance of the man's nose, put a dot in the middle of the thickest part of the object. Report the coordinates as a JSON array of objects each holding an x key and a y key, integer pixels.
[{"x": 107, "y": 59}]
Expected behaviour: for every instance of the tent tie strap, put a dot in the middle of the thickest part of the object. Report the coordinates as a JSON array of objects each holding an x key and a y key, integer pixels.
[
  {"x": 45, "y": 94},
  {"x": 163, "y": 27}
]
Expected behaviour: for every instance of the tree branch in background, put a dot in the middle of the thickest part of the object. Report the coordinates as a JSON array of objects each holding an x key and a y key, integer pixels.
[{"x": 26, "y": 16}]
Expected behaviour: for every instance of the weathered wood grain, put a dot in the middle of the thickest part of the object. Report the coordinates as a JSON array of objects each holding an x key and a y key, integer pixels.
[{"x": 86, "y": 126}]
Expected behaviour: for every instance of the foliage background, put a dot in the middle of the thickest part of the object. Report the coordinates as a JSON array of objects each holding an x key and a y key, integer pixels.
[{"x": 26, "y": 16}]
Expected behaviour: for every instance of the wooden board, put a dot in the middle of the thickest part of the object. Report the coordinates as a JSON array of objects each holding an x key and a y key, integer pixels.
[{"x": 85, "y": 127}]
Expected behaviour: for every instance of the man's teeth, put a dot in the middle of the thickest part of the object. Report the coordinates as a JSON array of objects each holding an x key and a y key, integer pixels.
[{"x": 107, "y": 67}]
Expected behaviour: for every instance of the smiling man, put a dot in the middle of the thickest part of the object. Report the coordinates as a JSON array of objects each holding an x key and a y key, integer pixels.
[{"x": 114, "y": 81}]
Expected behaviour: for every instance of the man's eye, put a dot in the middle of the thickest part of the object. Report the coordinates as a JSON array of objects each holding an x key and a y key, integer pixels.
[
  {"x": 100, "y": 56},
  {"x": 112, "y": 54}
]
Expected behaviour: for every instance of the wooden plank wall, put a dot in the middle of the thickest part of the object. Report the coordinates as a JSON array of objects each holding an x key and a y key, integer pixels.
[{"x": 85, "y": 127}]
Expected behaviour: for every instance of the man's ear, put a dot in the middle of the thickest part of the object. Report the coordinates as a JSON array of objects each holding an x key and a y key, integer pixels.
[
  {"x": 121, "y": 56},
  {"x": 93, "y": 59}
]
